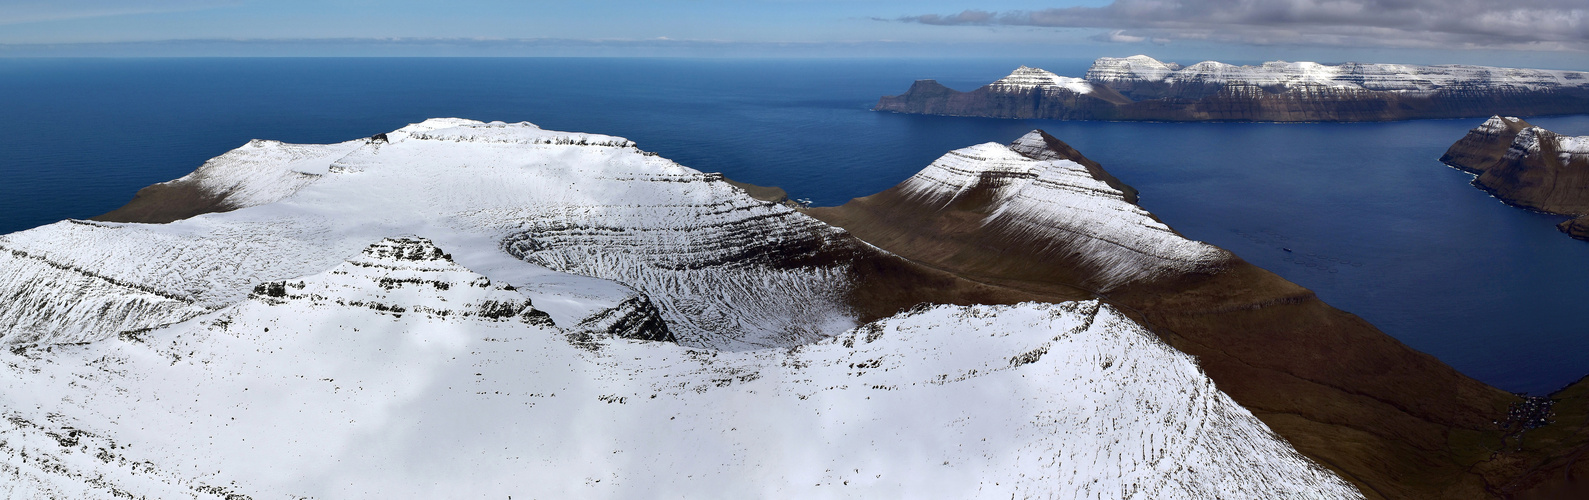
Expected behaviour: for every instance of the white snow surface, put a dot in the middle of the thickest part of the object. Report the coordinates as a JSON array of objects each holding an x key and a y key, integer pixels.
[
  {"x": 1057, "y": 204},
  {"x": 404, "y": 321},
  {"x": 1347, "y": 76},
  {"x": 317, "y": 393},
  {"x": 1026, "y": 79},
  {"x": 703, "y": 249}
]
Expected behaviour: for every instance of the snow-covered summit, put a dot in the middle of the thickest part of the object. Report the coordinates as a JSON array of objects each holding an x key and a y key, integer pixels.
[
  {"x": 582, "y": 223},
  {"x": 1026, "y": 79},
  {"x": 1036, "y": 196}
]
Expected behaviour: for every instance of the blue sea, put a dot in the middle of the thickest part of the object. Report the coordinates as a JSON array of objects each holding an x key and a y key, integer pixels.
[{"x": 1374, "y": 223}]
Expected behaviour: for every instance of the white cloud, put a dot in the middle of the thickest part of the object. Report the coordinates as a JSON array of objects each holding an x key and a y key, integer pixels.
[{"x": 1520, "y": 24}]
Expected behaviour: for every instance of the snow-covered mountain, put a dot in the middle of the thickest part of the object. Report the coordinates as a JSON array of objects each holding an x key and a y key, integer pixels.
[
  {"x": 468, "y": 309},
  {"x": 1039, "y": 195},
  {"x": 1142, "y": 88},
  {"x": 589, "y": 204},
  {"x": 1130, "y": 75}
]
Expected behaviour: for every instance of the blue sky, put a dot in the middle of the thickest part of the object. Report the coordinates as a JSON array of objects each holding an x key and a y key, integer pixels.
[{"x": 1545, "y": 33}]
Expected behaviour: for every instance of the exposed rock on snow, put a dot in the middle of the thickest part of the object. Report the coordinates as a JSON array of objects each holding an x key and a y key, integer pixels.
[
  {"x": 594, "y": 205},
  {"x": 498, "y": 338},
  {"x": 316, "y": 392}
]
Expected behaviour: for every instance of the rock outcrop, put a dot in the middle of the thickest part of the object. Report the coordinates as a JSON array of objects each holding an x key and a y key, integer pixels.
[
  {"x": 1529, "y": 167},
  {"x": 1142, "y": 88}
]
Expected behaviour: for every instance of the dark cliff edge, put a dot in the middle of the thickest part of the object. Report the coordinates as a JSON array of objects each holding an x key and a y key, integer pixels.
[
  {"x": 1528, "y": 167},
  {"x": 1233, "y": 103},
  {"x": 1396, "y": 422}
]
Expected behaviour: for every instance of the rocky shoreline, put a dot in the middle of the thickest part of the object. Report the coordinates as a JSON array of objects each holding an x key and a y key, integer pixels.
[{"x": 1528, "y": 167}]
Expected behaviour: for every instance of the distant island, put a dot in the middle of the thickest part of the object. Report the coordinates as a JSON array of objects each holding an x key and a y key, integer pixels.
[
  {"x": 1141, "y": 88},
  {"x": 1529, "y": 167}
]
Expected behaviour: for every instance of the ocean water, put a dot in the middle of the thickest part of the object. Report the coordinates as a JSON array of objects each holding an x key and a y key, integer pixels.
[{"x": 1372, "y": 221}]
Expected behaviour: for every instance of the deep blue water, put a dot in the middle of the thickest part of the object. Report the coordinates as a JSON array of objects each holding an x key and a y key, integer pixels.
[{"x": 1376, "y": 225}]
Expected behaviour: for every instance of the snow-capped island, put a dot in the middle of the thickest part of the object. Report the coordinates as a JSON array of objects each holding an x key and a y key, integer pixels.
[
  {"x": 1142, "y": 88},
  {"x": 1529, "y": 167}
]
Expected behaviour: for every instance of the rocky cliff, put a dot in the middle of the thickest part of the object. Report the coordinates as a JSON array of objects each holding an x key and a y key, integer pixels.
[
  {"x": 1142, "y": 88},
  {"x": 1529, "y": 167}
]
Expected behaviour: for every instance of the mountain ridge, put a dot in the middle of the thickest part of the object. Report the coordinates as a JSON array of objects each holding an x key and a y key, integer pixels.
[{"x": 1142, "y": 88}]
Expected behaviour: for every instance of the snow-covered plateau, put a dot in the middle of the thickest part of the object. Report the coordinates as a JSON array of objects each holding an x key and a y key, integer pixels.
[
  {"x": 1359, "y": 76},
  {"x": 490, "y": 310}
]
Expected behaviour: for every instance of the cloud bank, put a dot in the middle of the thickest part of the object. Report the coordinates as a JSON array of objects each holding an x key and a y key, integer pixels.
[{"x": 1509, "y": 24}]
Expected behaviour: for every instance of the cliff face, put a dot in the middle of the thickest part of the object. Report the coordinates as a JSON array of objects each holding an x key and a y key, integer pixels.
[
  {"x": 1397, "y": 422},
  {"x": 1141, "y": 88},
  {"x": 1530, "y": 167}
]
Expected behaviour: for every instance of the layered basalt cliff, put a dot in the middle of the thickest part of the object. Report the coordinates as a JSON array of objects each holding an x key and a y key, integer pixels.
[
  {"x": 1142, "y": 88},
  {"x": 1529, "y": 167}
]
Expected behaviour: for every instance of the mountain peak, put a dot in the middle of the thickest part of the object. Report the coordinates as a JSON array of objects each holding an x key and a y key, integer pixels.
[{"x": 1038, "y": 145}]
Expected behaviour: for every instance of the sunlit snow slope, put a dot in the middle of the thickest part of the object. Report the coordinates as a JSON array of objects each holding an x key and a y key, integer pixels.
[
  {"x": 484, "y": 310},
  {"x": 403, "y": 374}
]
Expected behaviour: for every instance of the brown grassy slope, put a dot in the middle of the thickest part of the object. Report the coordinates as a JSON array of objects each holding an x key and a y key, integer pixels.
[
  {"x": 166, "y": 202},
  {"x": 1395, "y": 421}
]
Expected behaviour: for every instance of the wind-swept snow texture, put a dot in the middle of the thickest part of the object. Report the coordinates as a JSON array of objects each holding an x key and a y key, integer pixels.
[
  {"x": 400, "y": 374},
  {"x": 510, "y": 333},
  {"x": 1048, "y": 201},
  {"x": 723, "y": 269}
]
